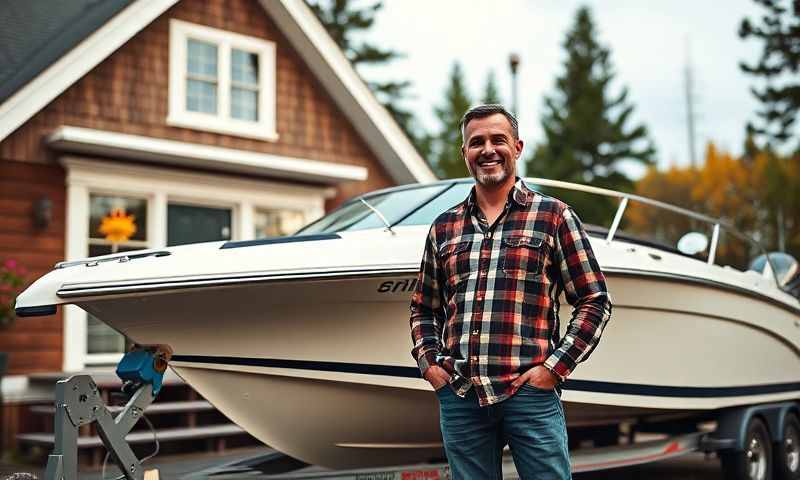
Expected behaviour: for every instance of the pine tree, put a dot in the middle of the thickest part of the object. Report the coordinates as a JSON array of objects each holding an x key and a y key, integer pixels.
[
  {"x": 447, "y": 143},
  {"x": 586, "y": 134},
  {"x": 491, "y": 93},
  {"x": 780, "y": 32},
  {"x": 341, "y": 19}
]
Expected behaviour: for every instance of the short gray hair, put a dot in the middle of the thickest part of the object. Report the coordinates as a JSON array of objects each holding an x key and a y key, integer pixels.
[{"x": 485, "y": 110}]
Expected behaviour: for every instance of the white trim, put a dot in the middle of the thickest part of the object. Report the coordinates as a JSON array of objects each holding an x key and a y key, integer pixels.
[
  {"x": 221, "y": 122},
  {"x": 121, "y": 145},
  {"x": 172, "y": 184},
  {"x": 102, "y": 359},
  {"x": 160, "y": 186},
  {"x": 157, "y": 223},
  {"x": 59, "y": 76},
  {"x": 77, "y": 236},
  {"x": 375, "y": 125},
  {"x": 246, "y": 211}
]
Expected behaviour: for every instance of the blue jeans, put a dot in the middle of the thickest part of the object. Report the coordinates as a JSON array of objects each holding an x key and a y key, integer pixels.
[{"x": 531, "y": 422}]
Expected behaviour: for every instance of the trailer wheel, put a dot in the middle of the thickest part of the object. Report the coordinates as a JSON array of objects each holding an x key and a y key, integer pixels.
[
  {"x": 755, "y": 461},
  {"x": 787, "y": 451}
]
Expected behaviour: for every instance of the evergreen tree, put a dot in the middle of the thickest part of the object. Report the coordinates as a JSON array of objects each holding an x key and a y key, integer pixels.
[
  {"x": 491, "y": 93},
  {"x": 780, "y": 32},
  {"x": 586, "y": 134},
  {"x": 447, "y": 143},
  {"x": 341, "y": 19}
]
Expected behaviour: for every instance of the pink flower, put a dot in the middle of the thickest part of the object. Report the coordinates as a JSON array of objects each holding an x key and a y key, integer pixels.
[{"x": 11, "y": 264}]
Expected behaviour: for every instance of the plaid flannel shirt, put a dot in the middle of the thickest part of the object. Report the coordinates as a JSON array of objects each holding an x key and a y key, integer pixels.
[{"x": 486, "y": 303}]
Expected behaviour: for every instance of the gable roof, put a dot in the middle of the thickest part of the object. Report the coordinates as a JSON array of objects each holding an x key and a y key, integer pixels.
[
  {"x": 55, "y": 43},
  {"x": 34, "y": 34}
]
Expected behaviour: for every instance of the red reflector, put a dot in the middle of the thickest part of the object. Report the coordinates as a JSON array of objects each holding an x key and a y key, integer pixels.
[
  {"x": 421, "y": 475},
  {"x": 672, "y": 448}
]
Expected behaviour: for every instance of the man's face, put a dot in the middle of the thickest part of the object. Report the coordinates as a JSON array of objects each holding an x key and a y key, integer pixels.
[{"x": 490, "y": 150}]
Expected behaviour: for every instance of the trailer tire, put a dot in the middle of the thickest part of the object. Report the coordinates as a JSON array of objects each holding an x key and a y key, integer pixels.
[
  {"x": 755, "y": 461},
  {"x": 787, "y": 450}
]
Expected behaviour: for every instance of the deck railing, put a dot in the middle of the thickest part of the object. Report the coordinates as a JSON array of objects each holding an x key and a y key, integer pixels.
[{"x": 625, "y": 198}]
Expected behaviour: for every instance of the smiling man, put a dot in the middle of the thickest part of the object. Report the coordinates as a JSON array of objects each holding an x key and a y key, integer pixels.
[{"x": 484, "y": 316}]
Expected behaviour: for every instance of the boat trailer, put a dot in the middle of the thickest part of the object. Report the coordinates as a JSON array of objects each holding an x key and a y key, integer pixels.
[
  {"x": 272, "y": 466},
  {"x": 78, "y": 402}
]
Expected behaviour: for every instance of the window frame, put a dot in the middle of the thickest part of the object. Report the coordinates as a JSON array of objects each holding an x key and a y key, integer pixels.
[{"x": 222, "y": 121}]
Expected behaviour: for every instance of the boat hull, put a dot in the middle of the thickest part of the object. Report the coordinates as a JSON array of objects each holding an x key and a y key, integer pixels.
[{"x": 320, "y": 368}]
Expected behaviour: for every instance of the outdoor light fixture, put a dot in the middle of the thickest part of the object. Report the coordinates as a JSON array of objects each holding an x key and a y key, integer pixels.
[
  {"x": 513, "y": 64},
  {"x": 42, "y": 212}
]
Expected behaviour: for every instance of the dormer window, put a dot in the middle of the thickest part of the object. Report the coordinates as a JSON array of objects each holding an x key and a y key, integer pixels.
[{"x": 221, "y": 81}]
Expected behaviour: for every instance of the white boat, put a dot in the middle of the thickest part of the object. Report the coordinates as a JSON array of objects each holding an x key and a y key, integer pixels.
[{"x": 304, "y": 341}]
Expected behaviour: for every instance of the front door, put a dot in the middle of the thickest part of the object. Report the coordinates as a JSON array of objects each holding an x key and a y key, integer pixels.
[{"x": 193, "y": 224}]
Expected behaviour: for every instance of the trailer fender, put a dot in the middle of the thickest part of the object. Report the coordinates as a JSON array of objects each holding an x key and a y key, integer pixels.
[
  {"x": 732, "y": 423},
  {"x": 775, "y": 421}
]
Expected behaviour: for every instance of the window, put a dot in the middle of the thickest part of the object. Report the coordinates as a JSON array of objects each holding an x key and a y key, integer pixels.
[
  {"x": 201, "y": 77},
  {"x": 101, "y": 206},
  {"x": 221, "y": 81},
  {"x": 277, "y": 223},
  {"x": 100, "y": 338},
  {"x": 244, "y": 85}
]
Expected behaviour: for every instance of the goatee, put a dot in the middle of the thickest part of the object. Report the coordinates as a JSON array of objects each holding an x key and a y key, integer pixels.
[{"x": 491, "y": 179}]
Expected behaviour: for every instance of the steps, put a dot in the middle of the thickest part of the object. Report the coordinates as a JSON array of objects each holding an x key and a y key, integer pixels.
[
  {"x": 153, "y": 409},
  {"x": 164, "y": 435},
  {"x": 183, "y": 422}
]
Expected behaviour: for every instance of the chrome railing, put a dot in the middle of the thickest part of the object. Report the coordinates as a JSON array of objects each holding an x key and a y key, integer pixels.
[{"x": 625, "y": 198}]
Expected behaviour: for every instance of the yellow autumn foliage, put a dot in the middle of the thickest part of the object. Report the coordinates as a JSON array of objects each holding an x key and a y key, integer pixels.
[{"x": 755, "y": 195}]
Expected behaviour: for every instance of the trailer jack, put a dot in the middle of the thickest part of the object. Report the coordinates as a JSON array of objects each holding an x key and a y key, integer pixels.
[{"x": 78, "y": 402}]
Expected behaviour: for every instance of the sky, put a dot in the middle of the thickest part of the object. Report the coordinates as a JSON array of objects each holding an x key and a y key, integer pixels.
[{"x": 650, "y": 43}]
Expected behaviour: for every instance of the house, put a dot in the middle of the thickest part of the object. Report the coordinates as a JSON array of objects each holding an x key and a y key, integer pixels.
[{"x": 204, "y": 119}]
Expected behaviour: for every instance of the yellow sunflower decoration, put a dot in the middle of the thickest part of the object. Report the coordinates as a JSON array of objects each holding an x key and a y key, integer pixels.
[{"x": 118, "y": 226}]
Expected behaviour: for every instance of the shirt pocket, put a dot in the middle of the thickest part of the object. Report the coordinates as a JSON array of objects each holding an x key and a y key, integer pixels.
[
  {"x": 522, "y": 256},
  {"x": 456, "y": 262}
]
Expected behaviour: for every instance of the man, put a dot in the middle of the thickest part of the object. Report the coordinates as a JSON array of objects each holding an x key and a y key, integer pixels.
[{"x": 484, "y": 316}]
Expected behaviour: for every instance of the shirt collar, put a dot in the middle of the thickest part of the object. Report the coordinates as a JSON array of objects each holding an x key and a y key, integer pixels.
[{"x": 520, "y": 194}]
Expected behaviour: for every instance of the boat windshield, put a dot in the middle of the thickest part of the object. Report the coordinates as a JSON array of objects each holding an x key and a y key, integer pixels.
[
  {"x": 604, "y": 213},
  {"x": 394, "y": 205}
]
